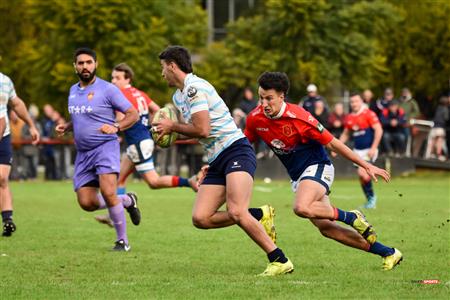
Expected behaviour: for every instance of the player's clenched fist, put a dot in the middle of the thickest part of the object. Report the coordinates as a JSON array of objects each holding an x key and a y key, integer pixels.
[{"x": 61, "y": 129}]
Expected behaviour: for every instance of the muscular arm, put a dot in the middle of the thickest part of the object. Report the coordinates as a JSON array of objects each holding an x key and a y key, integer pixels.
[
  {"x": 130, "y": 117},
  {"x": 153, "y": 108},
  {"x": 2, "y": 126},
  {"x": 337, "y": 146},
  {"x": 199, "y": 128},
  {"x": 345, "y": 136},
  {"x": 377, "y": 136},
  {"x": 20, "y": 109}
]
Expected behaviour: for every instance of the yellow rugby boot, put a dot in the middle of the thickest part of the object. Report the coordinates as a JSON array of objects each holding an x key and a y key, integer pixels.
[
  {"x": 277, "y": 268},
  {"x": 389, "y": 262},
  {"x": 363, "y": 227},
  {"x": 268, "y": 223}
]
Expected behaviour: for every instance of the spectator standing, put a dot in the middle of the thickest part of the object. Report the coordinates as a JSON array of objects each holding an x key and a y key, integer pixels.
[
  {"x": 321, "y": 113},
  {"x": 367, "y": 97},
  {"x": 441, "y": 117},
  {"x": 30, "y": 151},
  {"x": 393, "y": 120},
  {"x": 246, "y": 105},
  {"x": 309, "y": 101},
  {"x": 409, "y": 105},
  {"x": 411, "y": 109},
  {"x": 380, "y": 104},
  {"x": 48, "y": 150},
  {"x": 336, "y": 120}
]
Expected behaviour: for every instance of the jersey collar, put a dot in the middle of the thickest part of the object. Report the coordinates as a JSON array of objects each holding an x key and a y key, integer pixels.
[
  {"x": 363, "y": 107},
  {"x": 279, "y": 114},
  {"x": 186, "y": 80}
]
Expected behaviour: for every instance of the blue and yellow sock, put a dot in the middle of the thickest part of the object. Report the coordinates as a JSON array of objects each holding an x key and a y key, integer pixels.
[
  {"x": 367, "y": 188},
  {"x": 380, "y": 249},
  {"x": 344, "y": 216},
  {"x": 277, "y": 255},
  {"x": 256, "y": 213}
]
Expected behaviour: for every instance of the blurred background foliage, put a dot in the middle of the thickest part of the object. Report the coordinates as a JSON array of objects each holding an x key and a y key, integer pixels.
[{"x": 337, "y": 44}]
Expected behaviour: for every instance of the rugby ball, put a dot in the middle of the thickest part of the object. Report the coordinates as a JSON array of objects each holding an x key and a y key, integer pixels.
[{"x": 168, "y": 139}]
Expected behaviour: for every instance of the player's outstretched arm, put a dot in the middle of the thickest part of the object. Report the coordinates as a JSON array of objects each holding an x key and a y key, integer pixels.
[
  {"x": 337, "y": 146},
  {"x": 343, "y": 138}
]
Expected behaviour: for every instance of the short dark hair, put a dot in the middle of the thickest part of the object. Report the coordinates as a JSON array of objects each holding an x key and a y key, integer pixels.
[
  {"x": 355, "y": 93},
  {"x": 178, "y": 55},
  {"x": 274, "y": 80},
  {"x": 84, "y": 50},
  {"x": 126, "y": 69}
]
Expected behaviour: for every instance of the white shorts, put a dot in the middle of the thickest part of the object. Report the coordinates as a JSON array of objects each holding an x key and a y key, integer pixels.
[
  {"x": 437, "y": 132},
  {"x": 364, "y": 154},
  {"x": 322, "y": 173},
  {"x": 142, "y": 155}
]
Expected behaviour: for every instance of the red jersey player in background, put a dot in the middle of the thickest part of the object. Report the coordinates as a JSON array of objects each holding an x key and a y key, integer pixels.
[
  {"x": 298, "y": 140},
  {"x": 366, "y": 131},
  {"x": 140, "y": 143}
]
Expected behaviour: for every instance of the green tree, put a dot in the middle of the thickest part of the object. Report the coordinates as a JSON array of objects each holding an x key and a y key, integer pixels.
[
  {"x": 120, "y": 31},
  {"x": 418, "y": 52},
  {"x": 331, "y": 43}
]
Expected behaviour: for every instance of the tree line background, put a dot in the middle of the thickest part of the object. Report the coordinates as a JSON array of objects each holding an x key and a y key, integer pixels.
[{"x": 337, "y": 44}]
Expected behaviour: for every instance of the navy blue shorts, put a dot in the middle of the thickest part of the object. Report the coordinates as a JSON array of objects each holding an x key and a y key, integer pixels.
[
  {"x": 5, "y": 151},
  {"x": 237, "y": 157}
]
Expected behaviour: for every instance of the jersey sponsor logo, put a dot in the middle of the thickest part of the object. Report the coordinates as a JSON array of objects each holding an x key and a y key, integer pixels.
[
  {"x": 287, "y": 130},
  {"x": 262, "y": 129},
  {"x": 236, "y": 165},
  {"x": 191, "y": 92},
  {"x": 278, "y": 146},
  {"x": 80, "y": 109},
  {"x": 90, "y": 96},
  {"x": 359, "y": 133},
  {"x": 320, "y": 127}
]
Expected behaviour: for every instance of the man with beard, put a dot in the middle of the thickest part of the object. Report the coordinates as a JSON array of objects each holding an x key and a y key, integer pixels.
[
  {"x": 92, "y": 106},
  {"x": 8, "y": 97}
]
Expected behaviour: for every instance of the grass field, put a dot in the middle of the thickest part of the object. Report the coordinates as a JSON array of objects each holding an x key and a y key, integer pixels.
[{"x": 60, "y": 252}]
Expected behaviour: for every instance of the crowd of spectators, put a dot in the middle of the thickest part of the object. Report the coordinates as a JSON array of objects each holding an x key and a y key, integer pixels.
[
  {"x": 403, "y": 131},
  {"x": 401, "y": 118},
  {"x": 53, "y": 154}
]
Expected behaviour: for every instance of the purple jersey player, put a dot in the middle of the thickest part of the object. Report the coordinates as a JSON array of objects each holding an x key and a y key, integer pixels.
[{"x": 92, "y": 106}]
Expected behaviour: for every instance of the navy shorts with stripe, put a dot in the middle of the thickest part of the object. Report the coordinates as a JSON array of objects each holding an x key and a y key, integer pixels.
[
  {"x": 5, "y": 151},
  {"x": 239, "y": 156}
]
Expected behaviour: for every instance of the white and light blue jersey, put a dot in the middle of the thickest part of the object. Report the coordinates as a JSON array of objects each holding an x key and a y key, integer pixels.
[
  {"x": 199, "y": 95},
  {"x": 7, "y": 92}
]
